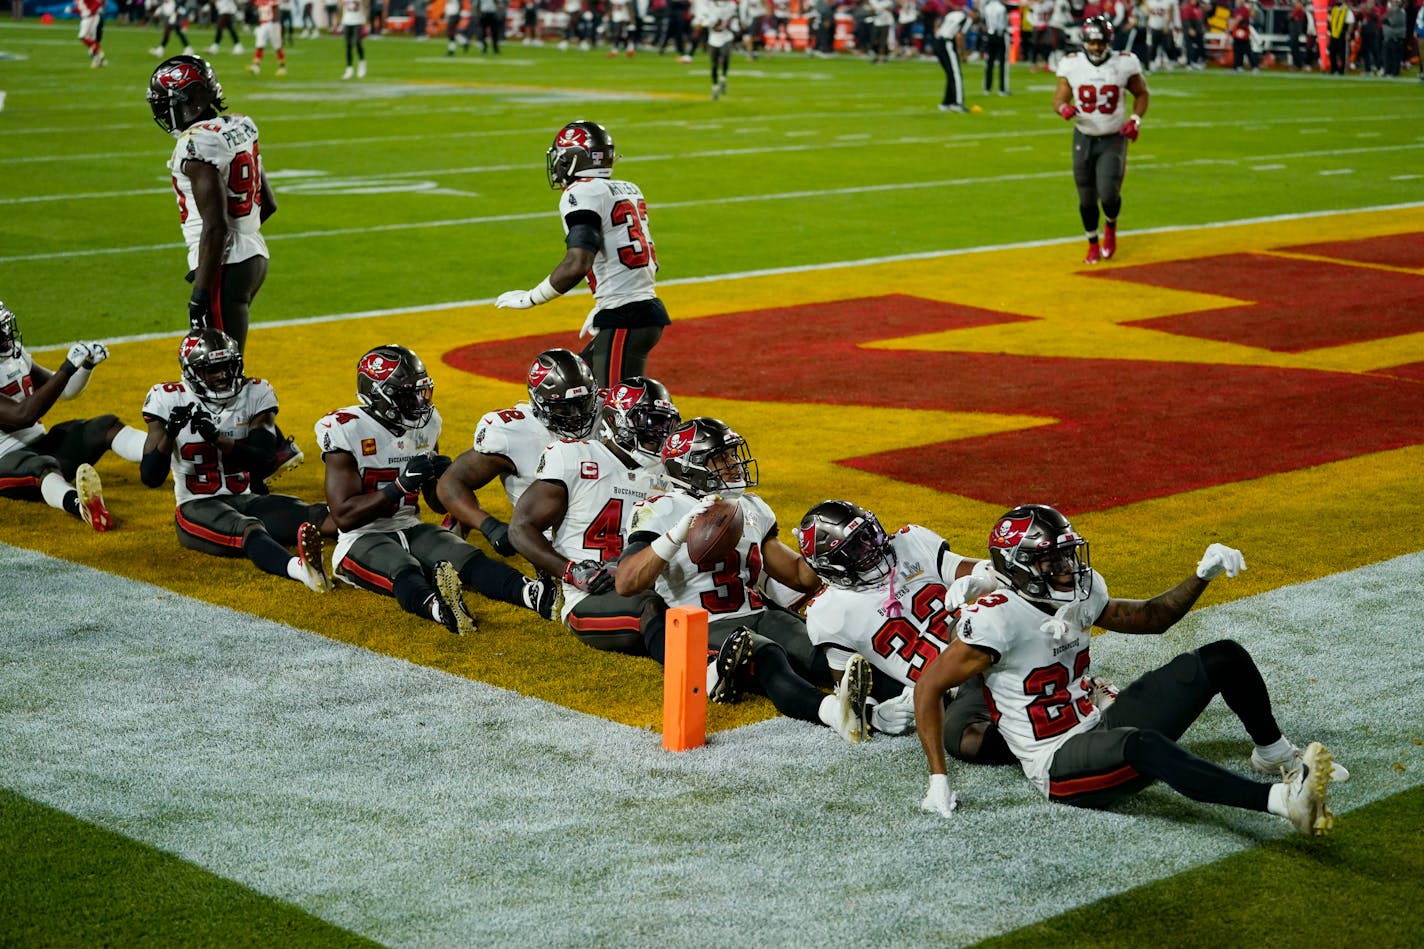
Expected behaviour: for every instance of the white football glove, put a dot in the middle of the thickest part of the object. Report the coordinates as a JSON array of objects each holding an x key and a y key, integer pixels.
[
  {"x": 895, "y": 716},
  {"x": 967, "y": 589},
  {"x": 78, "y": 356},
  {"x": 1101, "y": 693},
  {"x": 513, "y": 300},
  {"x": 1220, "y": 559},
  {"x": 1058, "y": 629},
  {"x": 588, "y": 330},
  {"x": 939, "y": 799},
  {"x": 678, "y": 532},
  {"x": 98, "y": 352}
]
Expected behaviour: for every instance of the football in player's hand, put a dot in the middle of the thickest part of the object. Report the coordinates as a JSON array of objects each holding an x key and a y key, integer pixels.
[{"x": 715, "y": 533}]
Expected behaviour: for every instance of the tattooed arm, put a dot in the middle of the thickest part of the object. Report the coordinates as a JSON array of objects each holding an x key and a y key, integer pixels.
[{"x": 1156, "y": 616}]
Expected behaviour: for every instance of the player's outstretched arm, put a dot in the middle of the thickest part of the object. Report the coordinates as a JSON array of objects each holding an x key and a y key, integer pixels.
[
  {"x": 469, "y": 472},
  {"x": 953, "y": 667},
  {"x": 1157, "y": 615}
]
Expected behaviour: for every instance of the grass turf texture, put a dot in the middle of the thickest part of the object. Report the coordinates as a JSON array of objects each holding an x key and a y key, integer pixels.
[
  {"x": 69, "y": 883},
  {"x": 424, "y": 185}
]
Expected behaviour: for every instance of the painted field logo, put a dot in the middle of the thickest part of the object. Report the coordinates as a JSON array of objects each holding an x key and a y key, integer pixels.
[{"x": 1109, "y": 430}]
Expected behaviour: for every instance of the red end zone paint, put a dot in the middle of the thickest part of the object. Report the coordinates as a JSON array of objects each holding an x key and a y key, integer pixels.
[
  {"x": 1300, "y": 304},
  {"x": 1396, "y": 250},
  {"x": 1128, "y": 430}
]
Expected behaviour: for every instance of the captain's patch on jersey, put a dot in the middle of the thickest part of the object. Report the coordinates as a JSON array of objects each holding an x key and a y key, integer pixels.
[
  {"x": 368, "y": 446},
  {"x": 588, "y": 470}
]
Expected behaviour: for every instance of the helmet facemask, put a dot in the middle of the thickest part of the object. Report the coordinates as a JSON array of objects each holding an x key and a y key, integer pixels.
[
  {"x": 846, "y": 545},
  {"x": 563, "y": 393},
  {"x": 395, "y": 389},
  {"x": 1097, "y": 40},
  {"x": 1035, "y": 551},
  {"x": 9, "y": 332},
  {"x": 212, "y": 366},
  {"x": 705, "y": 457}
]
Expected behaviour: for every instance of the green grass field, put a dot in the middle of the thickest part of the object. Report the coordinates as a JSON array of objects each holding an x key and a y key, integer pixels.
[{"x": 423, "y": 185}]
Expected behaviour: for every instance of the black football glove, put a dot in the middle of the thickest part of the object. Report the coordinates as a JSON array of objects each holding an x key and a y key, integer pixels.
[
  {"x": 204, "y": 424},
  {"x": 441, "y": 463},
  {"x": 497, "y": 533},
  {"x": 416, "y": 472},
  {"x": 590, "y": 576},
  {"x": 178, "y": 420},
  {"x": 200, "y": 308}
]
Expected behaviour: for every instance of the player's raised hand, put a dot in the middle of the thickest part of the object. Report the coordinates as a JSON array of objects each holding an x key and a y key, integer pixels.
[
  {"x": 204, "y": 424},
  {"x": 98, "y": 352},
  {"x": 1220, "y": 559}
]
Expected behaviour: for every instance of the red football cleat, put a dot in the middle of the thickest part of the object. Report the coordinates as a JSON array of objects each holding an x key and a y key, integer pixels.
[
  {"x": 91, "y": 499},
  {"x": 1109, "y": 241},
  {"x": 1094, "y": 254}
]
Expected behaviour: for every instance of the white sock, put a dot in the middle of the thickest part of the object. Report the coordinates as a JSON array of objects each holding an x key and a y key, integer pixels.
[
  {"x": 1276, "y": 802},
  {"x": 830, "y": 712},
  {"x": 295, "y": 570},
  {"x": 128, "y": 444},
  {"x": 1276, "y": 750},
  {"x": 54, "y": 489}
]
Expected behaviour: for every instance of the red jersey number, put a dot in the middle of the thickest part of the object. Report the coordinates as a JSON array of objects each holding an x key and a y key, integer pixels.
[
  {"x": 1102, "y": 99},
  {"x": 639, "y": 251},
  {"x": 1054, "y": 712},
  {"x": 605, "y": 534}
]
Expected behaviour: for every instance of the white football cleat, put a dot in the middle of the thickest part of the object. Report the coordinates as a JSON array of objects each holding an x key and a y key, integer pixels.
[
  {"x": 1305, "y": 792},
  {"x": 361, "y": 69},
  {"x": 852, "y": 714},
  {"x": 1279, "y": 767},
  {"x": 309, "y": 555},
  {"x": 348, "y": 73},
  {"x": 91, "y": 499}
]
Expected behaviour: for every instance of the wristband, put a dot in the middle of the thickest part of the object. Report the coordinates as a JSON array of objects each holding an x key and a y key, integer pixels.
[
  {"x": 665, "y": 547},
  {"x": 394, "y": 491},
  {"x": 543, "y": 293},
  {"x": 1135, "y": 118},
  {"x": 68, "y": 368}
]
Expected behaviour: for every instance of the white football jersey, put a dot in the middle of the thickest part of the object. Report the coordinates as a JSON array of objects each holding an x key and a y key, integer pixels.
[
  {"x": 722, "y": 22},
  {"x": 1100, "y": 92},
  {"x": 1038, "y": 688},
  {"x": 602, "y": 493},
  {"x": 198, "y": 467},
  {"x": 353, "y": 12},
  {"x": 901, "y": 626},
  {"x": 517, "y": 435},
  {"x": 16, "y": 384},
  {"x": 726, "y": 590},
  {"x": 228, "y": 143},
  {"x": 623, "y": 269},
  {"x": 380, "y": 456}
]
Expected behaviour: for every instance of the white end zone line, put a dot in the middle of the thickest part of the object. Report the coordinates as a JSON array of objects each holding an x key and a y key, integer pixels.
[{"x": 779, "y": 271}]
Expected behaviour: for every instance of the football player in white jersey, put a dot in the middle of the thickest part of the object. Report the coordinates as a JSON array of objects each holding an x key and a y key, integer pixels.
[
  {"x": 1030, "y": 642},
  {"x": 563, "y": 402},
  {"x": 227, "y": 14},
  {"x": 268, "y": 33},
  {"x": 892, "y": 598},
  {"x": 706, "y": 461},
  {"x": 35, "y": 463},
  {"x": 723, "y": 25},
  {"x": 380, "y": 457},
  {"x": 353, "y": 26},
  {"x": 173, "y": 13},
  {"x": 214, "y": 430},
  {"x": 570, "y": 523},
  {"x": 223, "y": 193},
  {"x": 1091, "y": 94},
  {"x": 606, "y": 232}
]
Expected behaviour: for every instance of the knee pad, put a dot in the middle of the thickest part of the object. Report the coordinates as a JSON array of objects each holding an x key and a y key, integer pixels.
[{"x": 1223, "y": 656}]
